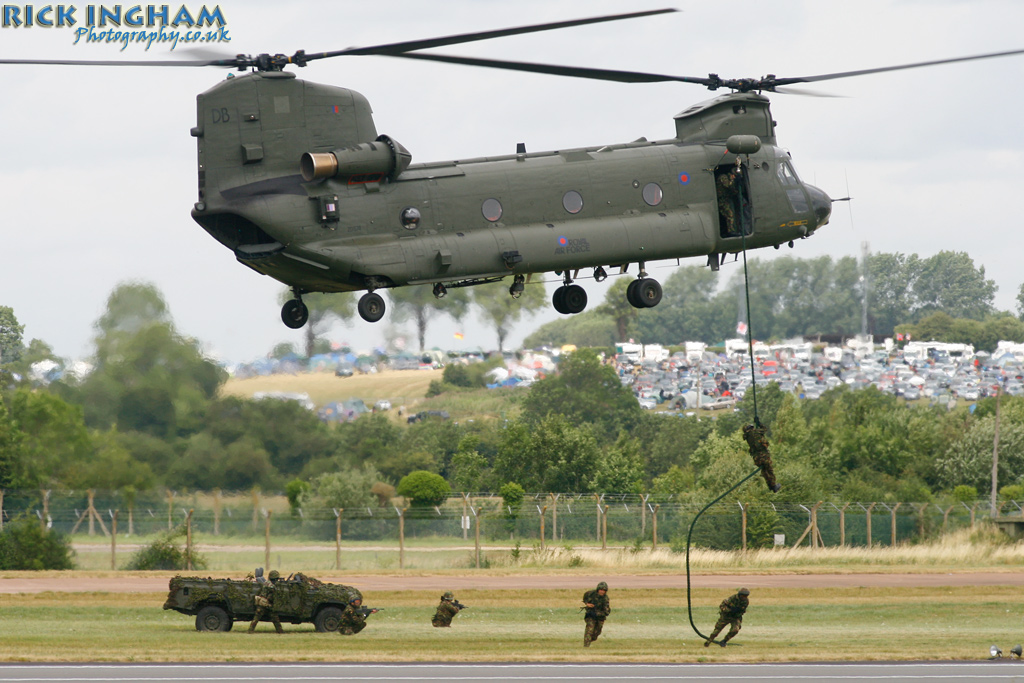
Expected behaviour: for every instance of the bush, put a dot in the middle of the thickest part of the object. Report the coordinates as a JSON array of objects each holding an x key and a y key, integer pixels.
[
  {"x": 164, "y": 554},
  {"x": 426, "y": 489},
  {"x": 24, "y": 544}
]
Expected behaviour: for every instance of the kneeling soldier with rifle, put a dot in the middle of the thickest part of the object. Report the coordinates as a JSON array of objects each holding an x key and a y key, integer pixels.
[
  {"x": 353, "y": 619},
  {"x": 446, "y": 611}
]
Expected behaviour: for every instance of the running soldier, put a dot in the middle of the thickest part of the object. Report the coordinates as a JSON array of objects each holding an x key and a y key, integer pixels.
[
  {"x": 730, "y": 613},
  {"x": 597, "y": 608}
]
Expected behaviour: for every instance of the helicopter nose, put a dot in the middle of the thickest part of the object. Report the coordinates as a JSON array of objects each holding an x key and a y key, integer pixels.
[{"x": 822, "y": 205}]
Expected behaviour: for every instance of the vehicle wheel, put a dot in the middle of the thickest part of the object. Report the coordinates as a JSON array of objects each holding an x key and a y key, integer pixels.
[
  {"x": 371, "y": 307},
  {"x": 294, "y": 314},
  {"x": 327, "y": 620},
  {"x": 213, "y": 618},
  {"x": 648, "y": 292},
  {"x": 575, "y": 299},
  {"x": 631, "y": 295},
  {"x": 558, "y": 300}
]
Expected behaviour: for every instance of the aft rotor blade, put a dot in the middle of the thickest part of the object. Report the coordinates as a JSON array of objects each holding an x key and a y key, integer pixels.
[
  {"x": 556, "y": 70},
  {"x": 407, "y": 46},
  {"x": 915, "y": 65}
]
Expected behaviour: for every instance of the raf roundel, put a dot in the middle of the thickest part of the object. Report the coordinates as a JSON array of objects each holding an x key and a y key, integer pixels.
[
  {"x": 563, "y": 241},
  {"x": 684, "y": 178}
]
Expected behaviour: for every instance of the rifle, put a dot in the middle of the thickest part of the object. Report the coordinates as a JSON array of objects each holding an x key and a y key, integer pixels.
[
  {"x": 367, "y": 611},
  {"x": 459, "y": 604}
]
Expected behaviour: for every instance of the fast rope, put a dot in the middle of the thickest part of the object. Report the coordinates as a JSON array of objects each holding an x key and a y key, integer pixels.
[{"x": 757, "y": 423}]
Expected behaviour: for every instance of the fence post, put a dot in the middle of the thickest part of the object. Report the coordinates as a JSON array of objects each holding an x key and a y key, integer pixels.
[
  {"x": 113, "y": 539},
  {"x": 92, "y": 520},
  {"x": 842, "y": 526},
  {"x": 266, "y": 533},
  {"x": 216, "y": 512},
  {"x": 465, "y": 505},
  {"x": 542, "y": 511},
  {"x": 870, "y": 508},
  {"x": 643, "y": 513},
  {"x": 170, "y": 511},
  {"x": 604, "y": 528},
  {"x": 255, "y": 508},
  {"x": 973, "y": 509},
  {"x": 188, "y": 539},
  {"x": 945, "y": 516},
  {"x": 743, "y": 526},
  {"x": 892, "y": 521},
  {"x": 337, "y": 537},
  {"x": 1, "y": 509},
  {"x": 554, "y": 517},
  {"x": 401, "y": 537},
  {"x": 818, "y": 541},
  {"x": 46, "y": 509},
  {"x": 476, "y": 532},
  {"x": 654, "y": 527}
]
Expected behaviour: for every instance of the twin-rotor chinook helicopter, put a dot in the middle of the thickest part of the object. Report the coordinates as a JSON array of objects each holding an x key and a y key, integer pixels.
[{"x": 296, "y": 181}]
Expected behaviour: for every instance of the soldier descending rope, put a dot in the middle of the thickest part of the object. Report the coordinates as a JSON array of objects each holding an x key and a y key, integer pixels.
[{"x": 754, "y": 435}]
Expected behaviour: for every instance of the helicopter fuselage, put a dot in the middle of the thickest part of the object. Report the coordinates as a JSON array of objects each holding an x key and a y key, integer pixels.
[{"x": 373, "y": 220}]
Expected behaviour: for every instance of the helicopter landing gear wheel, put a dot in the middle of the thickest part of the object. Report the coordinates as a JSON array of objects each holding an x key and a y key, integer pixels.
[
  {"x": 294, "y": 314},
  {"x": 574, "y": 299},
  {"x": 371, "y": 307},
  {"x": 558, "y": 300},
  {"x": 569, "y": 299},
  {"x": 648, "y": 292},
  {"x": 631, "y": 295}
]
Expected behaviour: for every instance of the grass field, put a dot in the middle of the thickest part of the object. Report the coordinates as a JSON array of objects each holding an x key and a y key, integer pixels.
[
  {"x": 401, "y": 387},
  {"x": 536, "y": 625}
]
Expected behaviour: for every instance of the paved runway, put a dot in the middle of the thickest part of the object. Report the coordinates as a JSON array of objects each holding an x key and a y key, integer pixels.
[{"x": 913, "y": 672}]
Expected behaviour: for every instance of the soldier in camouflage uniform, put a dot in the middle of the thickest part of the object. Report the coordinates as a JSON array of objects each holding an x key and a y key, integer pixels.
[
  {"x": 728, "y": 193},
  {"x": 446, "y": 611},
  {"x": 754, "y": 435},
  {"x": 352, "y": 620},
  {"x": 730, "y": 613},
  {"x": 597, "y": 608},
  {"x": 265, "y": 602}
]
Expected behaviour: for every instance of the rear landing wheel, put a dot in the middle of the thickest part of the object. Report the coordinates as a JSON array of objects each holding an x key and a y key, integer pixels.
[
  {"x": 574, "y": 299},
  {"x": 371, "y": 307},
  {"x": 648, "y": 291},
  {"x": 294, "y": 314}
]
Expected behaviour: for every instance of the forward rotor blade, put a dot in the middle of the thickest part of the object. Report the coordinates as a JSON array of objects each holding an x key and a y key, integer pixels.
[
  {"x": 407, "y": 46},
  {"x": 555, "y": 70},
  {"x": 94, "y": 62},
  {"x": 915, "y": 65}
]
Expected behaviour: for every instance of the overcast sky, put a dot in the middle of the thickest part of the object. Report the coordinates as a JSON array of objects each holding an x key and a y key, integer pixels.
[{"x": 98, "y": 171}]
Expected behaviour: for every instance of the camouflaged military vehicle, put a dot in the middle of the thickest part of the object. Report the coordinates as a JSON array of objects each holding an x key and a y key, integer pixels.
[{"x": 299, "y": 599}]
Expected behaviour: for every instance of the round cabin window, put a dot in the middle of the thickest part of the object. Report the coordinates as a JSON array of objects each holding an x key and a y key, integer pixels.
[
  {"x": 491, "y": 209},
  {"x": 653, "y": 194},
  {"x": 572, "y": 201},
  {"x": 410, "y": 218}
]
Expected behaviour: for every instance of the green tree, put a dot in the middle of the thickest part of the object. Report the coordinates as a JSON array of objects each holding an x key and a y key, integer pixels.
[
  {"x": 552, "y": 455},
  {"x": 351, "y": 488},
  {"x": 420, "y": 305},
  {"x": 587, "y": 392},
  {"x": 324, "y": 309},
  {"x": 424, "y": 489},
  {"x": 502, "y": 311},
  {"x": 468, "y": 465},
  {"x": 10, "y": 336},
  {"x": 617, "y": 308},
  {"x": 968, "y": 460},
  {"x": 54, "y": 441},
  {"x": 512, "y": 496},
  {"x": 950, "y": 282},
  {"x": 622, "y": 468},
  {"x": 25, "y": 545}
]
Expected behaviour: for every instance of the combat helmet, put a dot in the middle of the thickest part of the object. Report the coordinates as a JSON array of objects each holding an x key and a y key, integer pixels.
[
  {"x": 602, "y": 586},
  {"x": 448, "y": 595},
  {"x": 274, "y": 575},
  {"x": 744, "y": 591}
]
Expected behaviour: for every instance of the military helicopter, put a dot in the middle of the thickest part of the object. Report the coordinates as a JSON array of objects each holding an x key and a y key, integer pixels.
[{"x": 294, "y": 178}]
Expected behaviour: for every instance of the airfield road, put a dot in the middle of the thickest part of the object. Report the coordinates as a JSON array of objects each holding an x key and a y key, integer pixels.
[{"x": 135, "y": 584}]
